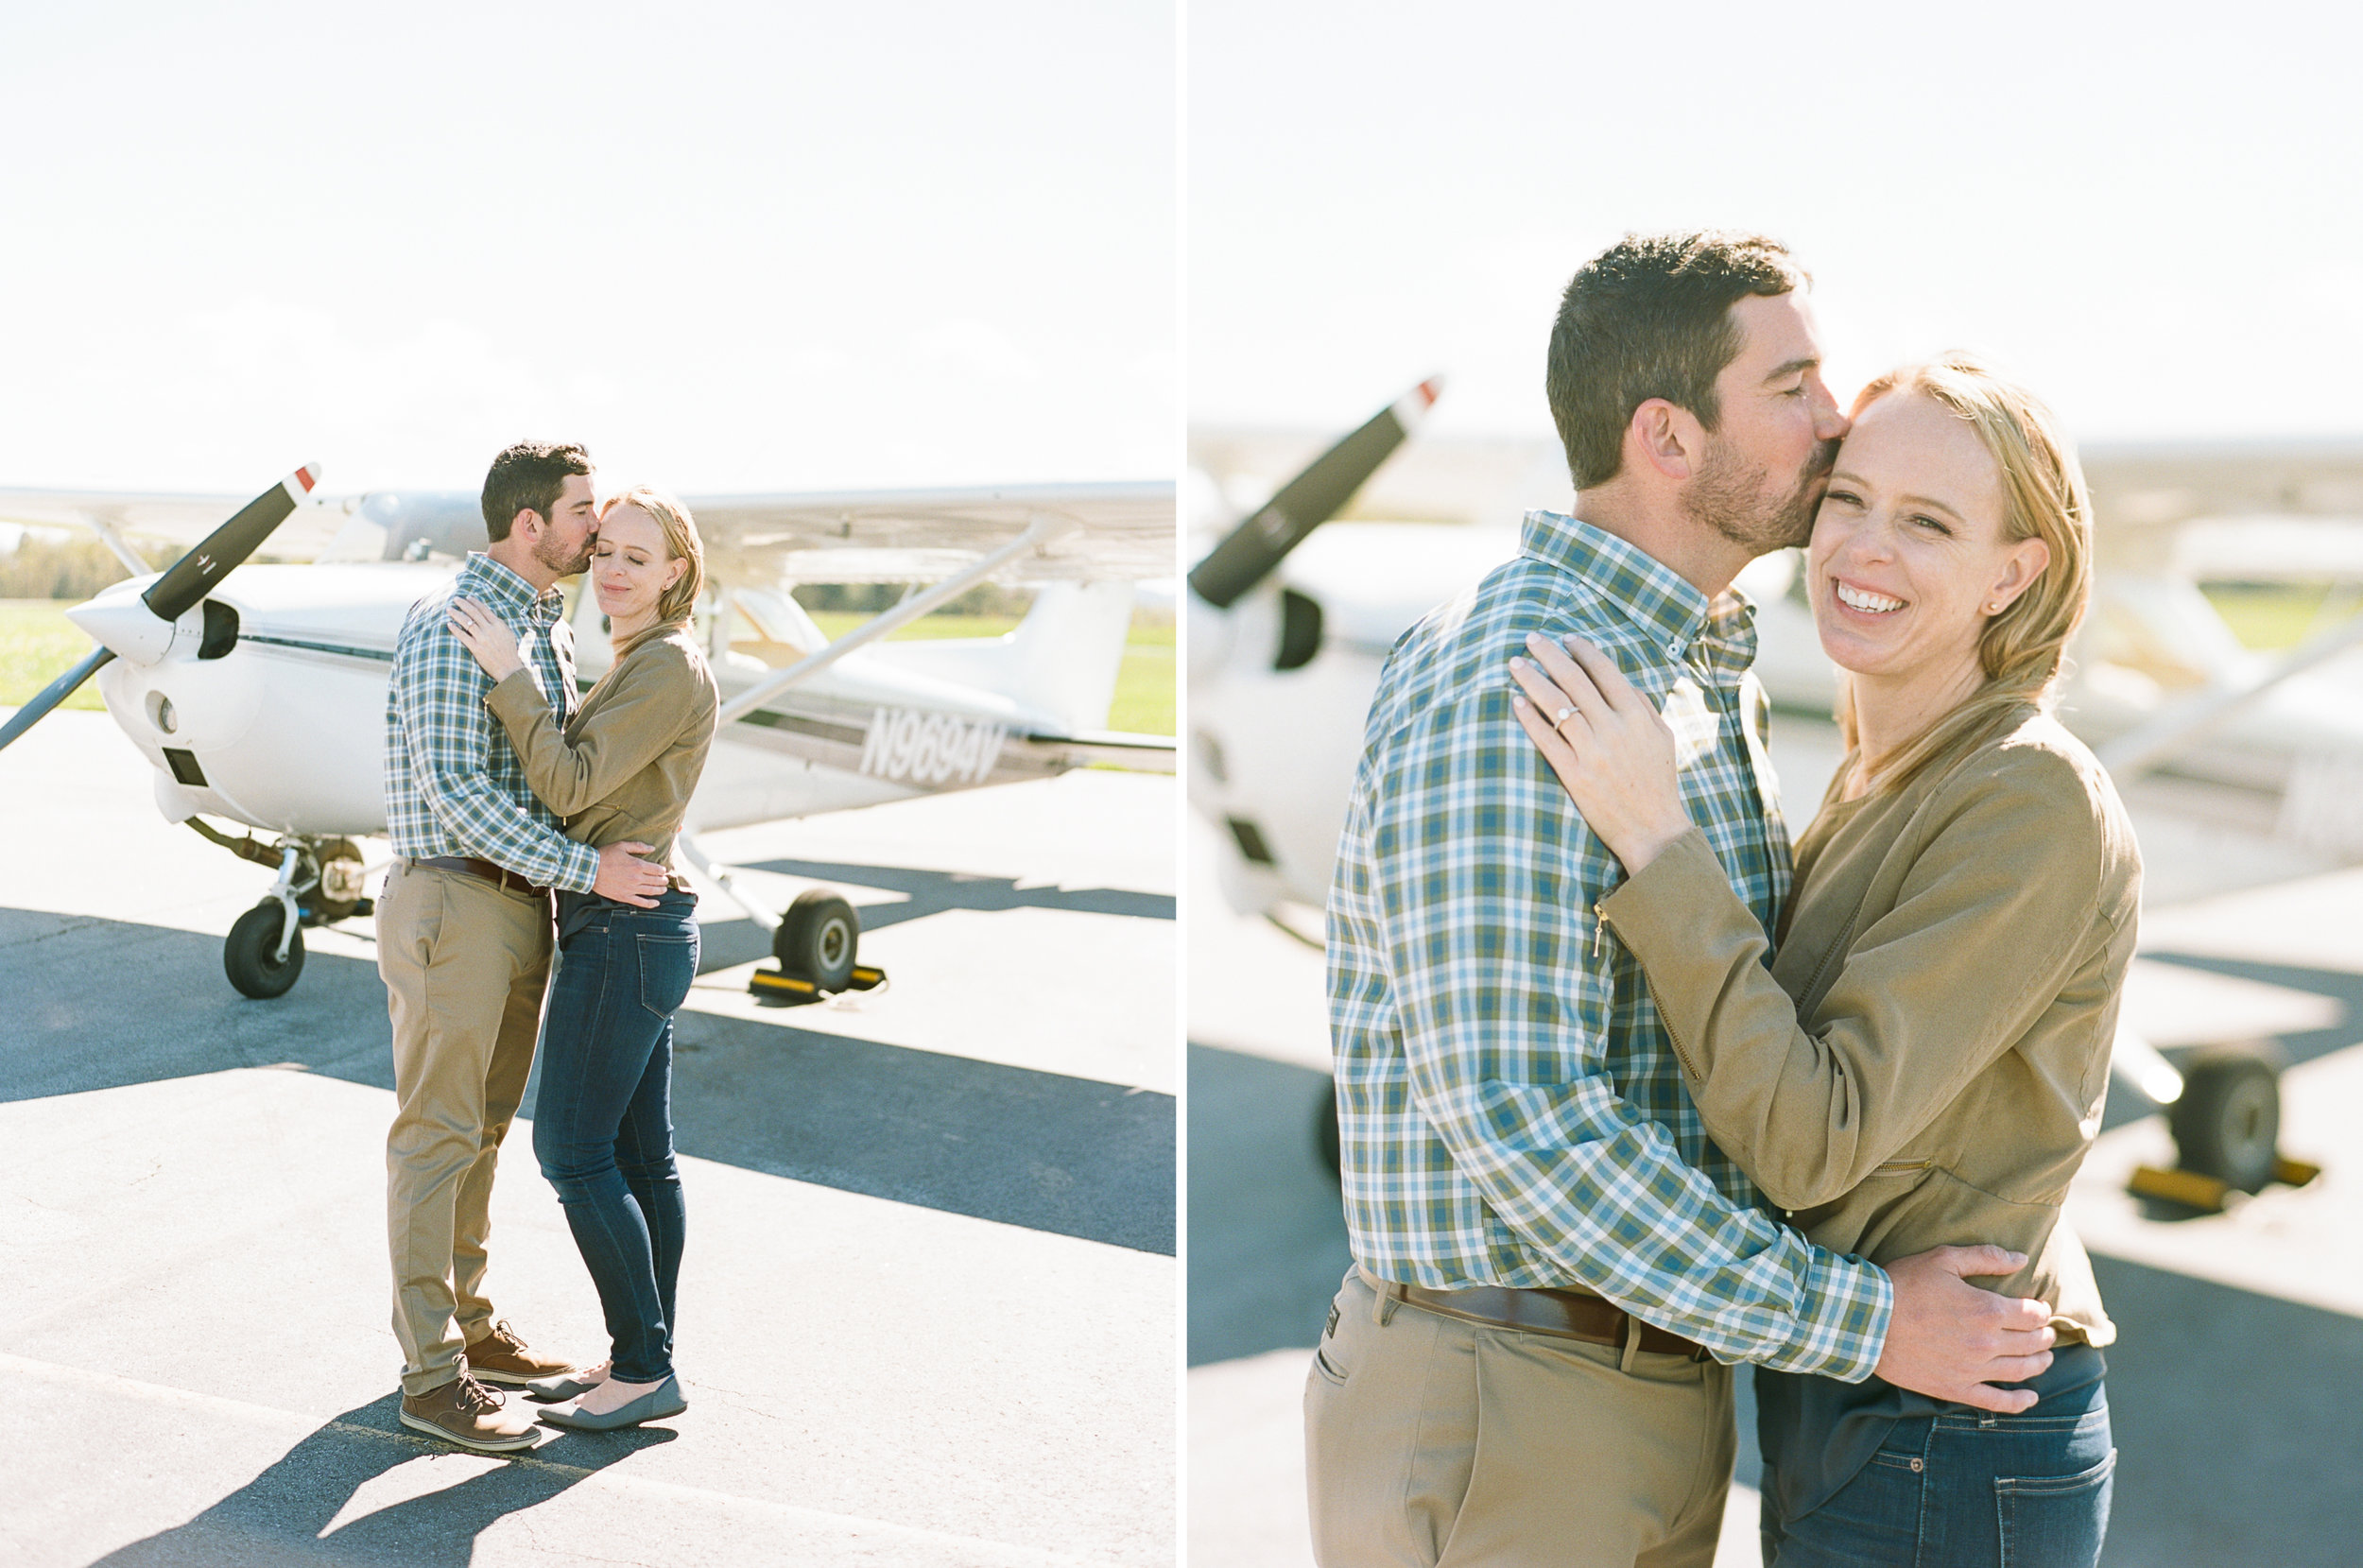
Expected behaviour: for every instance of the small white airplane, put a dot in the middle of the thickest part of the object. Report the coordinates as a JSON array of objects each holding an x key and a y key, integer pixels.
[
  {"x": 259, "y": 697},
  {"x": 1291, "y": 617}
]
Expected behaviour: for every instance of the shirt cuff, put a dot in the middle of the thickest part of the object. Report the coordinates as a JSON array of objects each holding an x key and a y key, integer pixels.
[
  {"x": 1842, "y": 1321},
  {"x": 581, "y": 870}
]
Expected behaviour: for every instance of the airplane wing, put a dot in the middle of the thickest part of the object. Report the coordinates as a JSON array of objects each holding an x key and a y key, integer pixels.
[
  {"x": 1103, "y": 532},
  {"x": 1106, "y": 532},
  {"x": 2160, "y": 483},
  {"x": 181, "y": 521}
]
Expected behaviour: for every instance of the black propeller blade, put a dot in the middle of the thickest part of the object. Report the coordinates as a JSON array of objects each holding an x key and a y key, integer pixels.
[
  {"x": 185, "y": 583},
  {"x": 193, "y": 576},
  {"x": 51, "y": 695},
  {"x": 1250, "y": 551}
]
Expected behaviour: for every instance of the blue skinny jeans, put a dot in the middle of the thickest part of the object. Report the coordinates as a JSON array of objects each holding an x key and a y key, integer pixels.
[
  {"x": 603, "y": 1124},
  {"x": 1968, "y": 1489}
]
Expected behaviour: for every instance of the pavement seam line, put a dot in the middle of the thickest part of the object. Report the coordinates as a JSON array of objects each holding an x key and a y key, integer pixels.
[{"x": 157, "y": 1392}]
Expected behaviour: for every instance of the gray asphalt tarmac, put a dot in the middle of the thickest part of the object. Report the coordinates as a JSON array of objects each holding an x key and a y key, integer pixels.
[{"x": 928, "y": 1301}]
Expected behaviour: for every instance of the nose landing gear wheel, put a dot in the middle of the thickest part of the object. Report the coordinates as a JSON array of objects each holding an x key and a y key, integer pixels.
[{"x": 250, "y": 956}]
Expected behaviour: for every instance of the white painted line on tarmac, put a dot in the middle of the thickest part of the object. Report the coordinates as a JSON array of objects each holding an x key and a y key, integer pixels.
[{"x": 868, "y": 1532}]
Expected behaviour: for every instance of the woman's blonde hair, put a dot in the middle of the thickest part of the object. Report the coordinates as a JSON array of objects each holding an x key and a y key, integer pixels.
[
  {"x": 2045, "y": 497},
  {"x": 681, "y": 543}
]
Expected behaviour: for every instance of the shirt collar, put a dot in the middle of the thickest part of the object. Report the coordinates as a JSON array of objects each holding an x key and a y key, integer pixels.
[
  {"x": 1660, "y": 603},
  {"x": 503, "y": 589}
]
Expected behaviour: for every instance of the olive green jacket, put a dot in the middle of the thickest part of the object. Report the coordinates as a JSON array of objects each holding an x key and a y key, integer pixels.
[
  {"x": 1924, "y": 1061},
  {"x": 623, "y": 767}
]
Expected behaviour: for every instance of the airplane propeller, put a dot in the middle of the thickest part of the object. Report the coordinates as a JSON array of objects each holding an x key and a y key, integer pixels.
[
  {"x": 143, "y": 636},
  {"x": 1249, "y": 552}
]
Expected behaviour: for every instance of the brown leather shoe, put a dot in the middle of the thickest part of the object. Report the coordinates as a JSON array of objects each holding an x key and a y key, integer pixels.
[
  {"x": 501, "y": 1357},
  {"x": 466, "y": 1412}
]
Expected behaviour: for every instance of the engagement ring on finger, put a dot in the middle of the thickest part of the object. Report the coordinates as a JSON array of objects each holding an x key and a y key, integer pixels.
[{"x": 1560, "y": 719}]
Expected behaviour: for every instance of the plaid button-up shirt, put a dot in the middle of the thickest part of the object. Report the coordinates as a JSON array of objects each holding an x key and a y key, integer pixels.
[
  {"x": 1510, "y": 1108},
  {"x": 453, "y": 785}
]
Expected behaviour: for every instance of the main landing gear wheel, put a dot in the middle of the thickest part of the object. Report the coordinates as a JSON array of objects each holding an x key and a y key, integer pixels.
[
  {"x": 816, "y": 940},
  {"x": 2226, "y": 1124},
  {"x": 250, "y": 956}
]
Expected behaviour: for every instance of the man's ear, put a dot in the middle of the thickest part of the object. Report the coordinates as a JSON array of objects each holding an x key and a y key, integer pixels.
[
  {"x": 526, "y": 515},
  {"x": 1665, "y": 437}
]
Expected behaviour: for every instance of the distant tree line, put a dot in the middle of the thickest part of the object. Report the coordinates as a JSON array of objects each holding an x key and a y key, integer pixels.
[{"x": 73, "y": 567}]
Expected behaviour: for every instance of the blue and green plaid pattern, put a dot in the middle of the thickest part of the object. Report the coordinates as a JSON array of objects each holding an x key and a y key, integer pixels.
[
  {"x": 453, "y": 785},
  {"x": 1510, "y": 1108}
]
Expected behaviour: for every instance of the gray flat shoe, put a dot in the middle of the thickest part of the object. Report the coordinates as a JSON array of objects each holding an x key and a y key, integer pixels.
[
  {"x": 549, "y": 1390},
  {"x": 658, "y": 1403}
]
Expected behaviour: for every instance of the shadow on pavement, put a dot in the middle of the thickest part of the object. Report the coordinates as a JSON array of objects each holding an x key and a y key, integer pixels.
[
  {"x": 1267, "y": 1238},
  {"x": 283, "y": 1515},
  {"x": 934, "y": 892},
  {"x": 91, "y": 1003},
  {"x": 1073, "y": 1156},
  {"x": 2235, "y": 1421}
]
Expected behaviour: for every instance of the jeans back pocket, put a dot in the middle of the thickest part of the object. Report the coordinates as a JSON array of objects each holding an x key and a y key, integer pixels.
[
  {"x": 2055, "y": 1521},
  {"x": 668, "y": 965}
]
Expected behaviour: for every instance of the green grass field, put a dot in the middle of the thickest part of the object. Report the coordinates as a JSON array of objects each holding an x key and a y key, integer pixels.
[
  {"x": 38, "y": 643},
  {"x": 2276, "y": 618}
]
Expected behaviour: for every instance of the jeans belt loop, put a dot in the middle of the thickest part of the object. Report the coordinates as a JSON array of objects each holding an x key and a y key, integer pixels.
[{"x": 1631, "y": 1329}]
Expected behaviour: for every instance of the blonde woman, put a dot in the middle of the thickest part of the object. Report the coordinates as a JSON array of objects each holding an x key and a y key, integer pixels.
[
  {"x": 1923, "y": 1062},
  {"x": 622, "y": 770}
]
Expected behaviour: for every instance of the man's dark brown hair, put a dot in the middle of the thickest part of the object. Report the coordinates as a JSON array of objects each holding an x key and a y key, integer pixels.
[
  {"x": 1650, "y": 318},
  {"x": 529, "y": 477}
]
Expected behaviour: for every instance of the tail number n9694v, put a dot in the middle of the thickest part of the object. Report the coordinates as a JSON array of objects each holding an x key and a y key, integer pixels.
[{"x": 930, "y": 748}]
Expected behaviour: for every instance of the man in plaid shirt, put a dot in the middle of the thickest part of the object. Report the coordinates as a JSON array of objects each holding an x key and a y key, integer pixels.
[
  {"x": 1553, "y": 1262},
  {"x": 464, "y": 939}
]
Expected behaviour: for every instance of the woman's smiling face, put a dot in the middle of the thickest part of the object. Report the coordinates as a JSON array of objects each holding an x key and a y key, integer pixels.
[{"x": 1909, "y": 556}]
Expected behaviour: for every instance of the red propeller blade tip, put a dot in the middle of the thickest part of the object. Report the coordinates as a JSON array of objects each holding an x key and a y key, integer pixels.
[{"x": 308, "y": 475}]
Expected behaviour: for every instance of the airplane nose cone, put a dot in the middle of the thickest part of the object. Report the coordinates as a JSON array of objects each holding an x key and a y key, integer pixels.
[{"x": 120, "y": 623}]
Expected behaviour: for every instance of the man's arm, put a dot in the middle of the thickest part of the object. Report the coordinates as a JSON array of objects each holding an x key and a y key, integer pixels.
[
  {"x": 439, "y": 693},
  {"x": 1488, "y": 881}
]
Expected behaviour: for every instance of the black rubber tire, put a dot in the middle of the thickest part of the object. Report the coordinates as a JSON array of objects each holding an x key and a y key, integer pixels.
[
  {"x": 1325, "y": 1130},
  {"x": 249, "y": 958},
  {"x": 818, "y": 940},
  {"x": 2226, "y": 1124}
]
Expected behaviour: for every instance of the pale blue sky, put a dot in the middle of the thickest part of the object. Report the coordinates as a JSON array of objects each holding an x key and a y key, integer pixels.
[
  {"x": 2153, "y": 214},
  {"x": 911, "y": 242}
]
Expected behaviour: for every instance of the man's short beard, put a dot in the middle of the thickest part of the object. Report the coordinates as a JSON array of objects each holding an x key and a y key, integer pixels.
[
  {"x": 1728, "y": 496},
  {"x": 558, "y": 561}
]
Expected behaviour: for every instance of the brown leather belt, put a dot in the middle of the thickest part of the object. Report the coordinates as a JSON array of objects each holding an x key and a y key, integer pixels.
[
  {"x": 471, "y": 866},
  {"x": 1564, "y": 1314}
]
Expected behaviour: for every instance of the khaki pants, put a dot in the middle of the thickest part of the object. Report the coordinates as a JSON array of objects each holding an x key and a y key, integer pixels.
[
  {"x": 1432, "y": 1441},
  {"x": 465, "y": 964}
]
